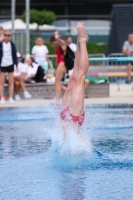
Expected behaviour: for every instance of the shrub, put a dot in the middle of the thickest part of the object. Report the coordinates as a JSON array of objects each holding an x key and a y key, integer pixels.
[
  {"x": 47, "y": 17},
  {"x": 95, "y": 48},
  {"x": 40, "y": 17}
]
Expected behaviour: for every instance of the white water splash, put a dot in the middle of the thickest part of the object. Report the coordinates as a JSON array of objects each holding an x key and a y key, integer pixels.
[{"x": 74, "y": 144}]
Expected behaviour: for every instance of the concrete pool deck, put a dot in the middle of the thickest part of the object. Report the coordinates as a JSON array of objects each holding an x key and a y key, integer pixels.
[{"x": 124, "y": 96}]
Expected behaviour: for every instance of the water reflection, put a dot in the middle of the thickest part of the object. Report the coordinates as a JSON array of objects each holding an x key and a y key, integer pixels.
[
  {"x": 73, "y": 186},
  {"x": 14, "y": 144}
]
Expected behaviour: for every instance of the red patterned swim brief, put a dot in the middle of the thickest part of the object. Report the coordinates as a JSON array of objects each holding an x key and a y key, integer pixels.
[{"x": 67, "y": 116}]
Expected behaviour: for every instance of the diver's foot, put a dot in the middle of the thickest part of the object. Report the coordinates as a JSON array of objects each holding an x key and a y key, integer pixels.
[{"x": 82, "y": 35}]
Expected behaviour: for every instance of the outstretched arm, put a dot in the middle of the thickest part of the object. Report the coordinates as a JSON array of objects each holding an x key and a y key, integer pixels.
[{"x": 61, "y": 42}]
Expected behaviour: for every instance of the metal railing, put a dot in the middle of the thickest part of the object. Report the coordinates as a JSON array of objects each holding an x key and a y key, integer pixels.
[
  {"x": 97, "y": 55},
  {"x": 113, "y": 69},
  {"x": 51, "y": 63},
  {"x": 95, "y": 66},
  {"x": 101, "y": 66},
  {"x": 117, "y": 70}
]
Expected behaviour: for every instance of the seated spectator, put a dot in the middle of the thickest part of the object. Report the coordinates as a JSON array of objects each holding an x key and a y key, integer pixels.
[
  {"x": 19, "y": 76},
  {"x": 128, "y": 50},
  {"x": 40, "y": 54},
  {"x": 34, "y": 72}
]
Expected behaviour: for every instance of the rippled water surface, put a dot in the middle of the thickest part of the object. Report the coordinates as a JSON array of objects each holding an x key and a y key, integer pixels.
[{"x": 36, "y": 164}]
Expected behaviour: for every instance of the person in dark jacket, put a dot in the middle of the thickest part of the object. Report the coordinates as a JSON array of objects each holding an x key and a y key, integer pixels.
[{"x": 8, "y": 58}]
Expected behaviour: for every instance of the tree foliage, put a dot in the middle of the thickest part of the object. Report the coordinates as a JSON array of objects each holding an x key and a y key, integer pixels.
[{"x": 40, "y": 17}]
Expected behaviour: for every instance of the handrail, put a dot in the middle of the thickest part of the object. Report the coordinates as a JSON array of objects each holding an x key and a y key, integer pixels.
[
  {"x": 118, "y": 59},
  {"x": 122, "y": 59},
  {"x": 97, "y": 54},
  {"x": 116, "y": 54}
]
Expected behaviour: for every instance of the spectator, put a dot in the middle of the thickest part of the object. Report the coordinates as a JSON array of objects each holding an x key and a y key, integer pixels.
[
  {"x": 128, "y": 50},
  {"x": 1, "y": 34},
  {"x": 70, "y": 43},
  {"x": 62, "y": 67},
  {"x": 40, "y": 54},
  {"x": 34, "y": 72},
  {"x": 8, "y": 59},
  {"x": 19, "y": 77}
]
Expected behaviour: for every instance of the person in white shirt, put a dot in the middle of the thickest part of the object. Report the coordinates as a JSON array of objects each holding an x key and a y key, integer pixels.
[
  {"x": 8, "y": 59},
  {"x": 19, "y": 77},
  {"x": 34, "y": 72},
  {"x": 40, "y": 54},
  {"x": 128, "y": 50}
]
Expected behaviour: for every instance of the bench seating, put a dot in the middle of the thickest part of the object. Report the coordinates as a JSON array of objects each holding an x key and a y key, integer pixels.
[{"x": 47, "y": 91}]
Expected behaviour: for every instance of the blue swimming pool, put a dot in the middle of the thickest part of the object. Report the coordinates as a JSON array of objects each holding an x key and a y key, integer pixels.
[{"x": 32, "y": 166}]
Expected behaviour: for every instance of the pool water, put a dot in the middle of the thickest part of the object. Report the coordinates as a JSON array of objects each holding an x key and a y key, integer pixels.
[{"x": 34, "y": 166}]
